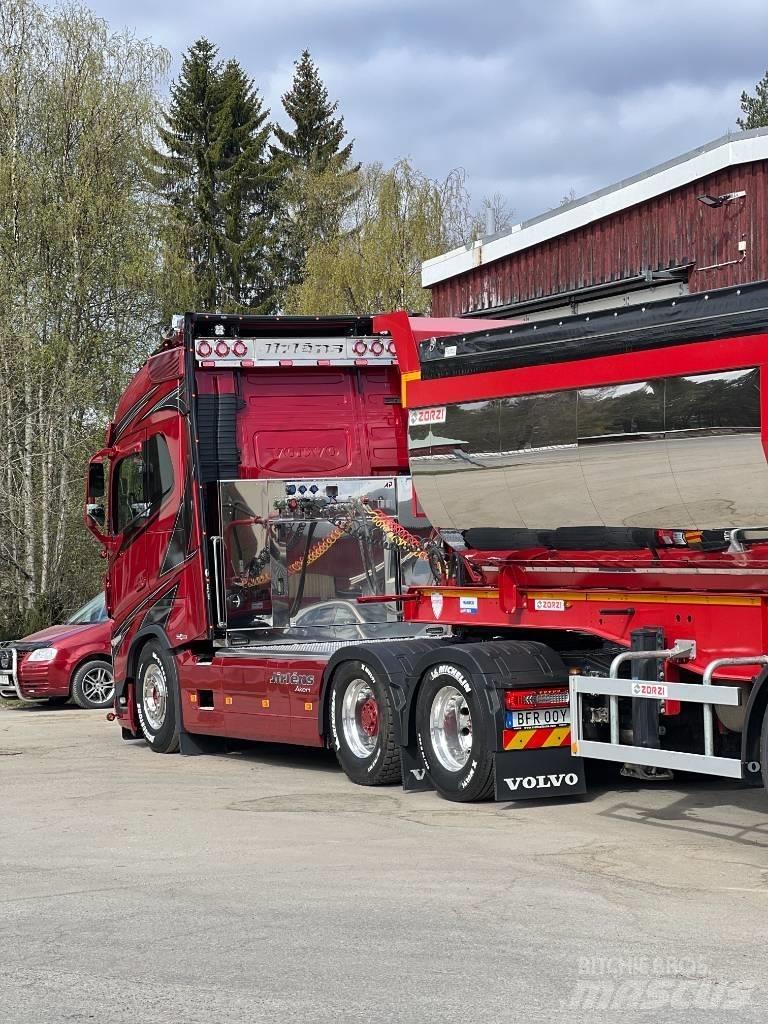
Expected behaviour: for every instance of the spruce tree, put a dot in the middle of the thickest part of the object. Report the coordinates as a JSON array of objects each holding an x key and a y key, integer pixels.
[
  {"x": 315, "y": 143},
  {"x": 186, "y": 174},
  {"x": 217, "y": 174},
  {"x": 318, "y": 182},
  {"x": 247, "y": 202},
  {"x": 755, "y": 107}
]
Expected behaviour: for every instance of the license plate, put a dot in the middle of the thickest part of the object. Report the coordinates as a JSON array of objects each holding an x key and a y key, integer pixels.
[{"x": 541, "y": 718}]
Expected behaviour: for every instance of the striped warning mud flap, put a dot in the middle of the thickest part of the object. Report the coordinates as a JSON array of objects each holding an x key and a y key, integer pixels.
[
  {"x": 534, "y": 739},
  {"x": 537, "y": 763}
]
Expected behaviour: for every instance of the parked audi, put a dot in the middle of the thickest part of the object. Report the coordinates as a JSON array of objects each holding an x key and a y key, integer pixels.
[{"x": 63, "y": 661}]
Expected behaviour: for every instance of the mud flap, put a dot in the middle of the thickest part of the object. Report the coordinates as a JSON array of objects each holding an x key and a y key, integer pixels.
[
  {"x": 536, "y": 774},
  {"x": 415, "y": 776}
]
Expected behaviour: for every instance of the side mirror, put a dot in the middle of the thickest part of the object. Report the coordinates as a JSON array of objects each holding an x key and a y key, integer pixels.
[
  {"x": 96, "y": 481},
  {"x": 95, "y": 498},
  {"x": 96, "y": 514}
]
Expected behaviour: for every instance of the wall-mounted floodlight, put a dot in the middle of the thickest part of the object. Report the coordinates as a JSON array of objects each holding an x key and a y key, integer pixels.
[{"x": 708, "y": 200}]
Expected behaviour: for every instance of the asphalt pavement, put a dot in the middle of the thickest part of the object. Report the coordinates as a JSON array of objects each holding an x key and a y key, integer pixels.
[{"x": 261, "y": 885}]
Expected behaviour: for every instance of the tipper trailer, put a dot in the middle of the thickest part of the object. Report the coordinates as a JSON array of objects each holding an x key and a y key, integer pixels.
[{"x": 464, "y": 559}]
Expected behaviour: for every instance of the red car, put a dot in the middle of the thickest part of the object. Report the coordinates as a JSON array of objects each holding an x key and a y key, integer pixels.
[{"x": 70, "y": 660}]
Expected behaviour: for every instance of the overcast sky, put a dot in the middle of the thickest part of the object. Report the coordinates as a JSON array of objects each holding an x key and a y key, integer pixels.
[{"x": 532, "y": 99}]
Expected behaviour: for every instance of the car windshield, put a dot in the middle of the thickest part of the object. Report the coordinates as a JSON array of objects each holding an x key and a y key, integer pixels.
[{"x": 94, "y": 611}]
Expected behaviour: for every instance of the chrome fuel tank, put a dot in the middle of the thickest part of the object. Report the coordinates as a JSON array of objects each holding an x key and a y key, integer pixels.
[{"x": 670, "y": 453}]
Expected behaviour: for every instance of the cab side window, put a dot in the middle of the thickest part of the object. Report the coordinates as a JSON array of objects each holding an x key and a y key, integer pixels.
[
  {"x": 141, "y": 482},
  {"x": 159, "y": 470},
  {"x": 129, "y": 494}
]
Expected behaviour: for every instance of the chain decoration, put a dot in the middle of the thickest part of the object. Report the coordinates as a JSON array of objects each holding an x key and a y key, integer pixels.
[
  {"x": 317, "y": 551},
  {"x": 396, "y": 534}
]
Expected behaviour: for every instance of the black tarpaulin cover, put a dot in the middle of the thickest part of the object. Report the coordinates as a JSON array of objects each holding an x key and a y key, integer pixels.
[{"x": 705, "y": 316}]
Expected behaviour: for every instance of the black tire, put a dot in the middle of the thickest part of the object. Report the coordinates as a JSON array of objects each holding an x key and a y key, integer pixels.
[
  {"x": 90, "y": 689},
  {"x": 157, "y": 705},
  {"x": 352, "y": 726},
  {"x": 469, "y": 775},
  {"x": 764, "y": 749}
]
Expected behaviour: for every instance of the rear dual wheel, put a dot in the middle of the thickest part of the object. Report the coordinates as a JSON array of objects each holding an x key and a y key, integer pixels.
[
  {"x": 764, "y": 749},
  {"x": 363, "y": 726},
  {"x": 455, "y": 735}
]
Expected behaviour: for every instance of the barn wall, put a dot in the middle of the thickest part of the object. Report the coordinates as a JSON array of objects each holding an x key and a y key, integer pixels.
[{"x": 673, "y": 229}]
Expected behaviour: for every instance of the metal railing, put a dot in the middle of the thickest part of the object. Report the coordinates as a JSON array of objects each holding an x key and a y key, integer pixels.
[{"x": 704, "y": 693}]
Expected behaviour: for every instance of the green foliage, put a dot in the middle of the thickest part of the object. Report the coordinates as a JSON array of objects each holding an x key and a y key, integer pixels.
[
  {"x": 318, "y": 182},
  {"x": 217, "y": 177},
  {"x": 114, "y": 215},
  {"x": 315, "y": 142},
  {"x": 755, "y": 108},
  {"x": 78, "y": 286},
  {"x": 399, "y": 217}
]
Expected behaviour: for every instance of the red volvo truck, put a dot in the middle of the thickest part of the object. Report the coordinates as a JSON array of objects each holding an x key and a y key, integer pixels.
[{"x": 513, "y": 548}]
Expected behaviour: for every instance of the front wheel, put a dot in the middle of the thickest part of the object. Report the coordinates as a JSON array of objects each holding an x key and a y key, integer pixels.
[
  {"x": 455, "y": 733},
  {"x": 363, "y": 726},
  {"x": 93, "y": 685},
  {"x": 156, "y": 704}
]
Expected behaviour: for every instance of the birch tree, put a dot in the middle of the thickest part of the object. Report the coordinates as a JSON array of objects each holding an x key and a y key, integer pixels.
[
  {"x": 78, "y": 282},
  {"x": 398, "y": 218}
]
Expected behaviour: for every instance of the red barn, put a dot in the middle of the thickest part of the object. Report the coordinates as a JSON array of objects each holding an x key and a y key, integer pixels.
[{"x": 694, "y": 223}]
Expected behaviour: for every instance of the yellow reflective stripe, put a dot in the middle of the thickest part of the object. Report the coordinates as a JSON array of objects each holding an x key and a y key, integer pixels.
[
  {"x": 404, "y": 378},
  {"x": 646, "y": 597},
  {"x": 520, "y": 739},
  {"x": 558, "y": 736}
]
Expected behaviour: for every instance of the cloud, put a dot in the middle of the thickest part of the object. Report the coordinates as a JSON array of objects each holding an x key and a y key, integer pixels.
[{"x": 531, "y": 99}]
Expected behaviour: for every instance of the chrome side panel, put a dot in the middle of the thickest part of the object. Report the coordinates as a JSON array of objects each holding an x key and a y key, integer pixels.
[
  {"x": 297, "y": 553},
  {"x": 674, "y": 453}
]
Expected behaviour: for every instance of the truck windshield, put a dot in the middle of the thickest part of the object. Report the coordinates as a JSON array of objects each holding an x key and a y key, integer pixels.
[{"x": 94, "y": 611}]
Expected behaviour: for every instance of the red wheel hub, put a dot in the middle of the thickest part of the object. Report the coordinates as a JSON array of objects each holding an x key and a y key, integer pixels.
[{"x": 369, "y": 717}]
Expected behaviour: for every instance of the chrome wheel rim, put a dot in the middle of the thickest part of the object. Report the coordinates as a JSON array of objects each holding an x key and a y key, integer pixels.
[
  {"x": 360, "y": 718},
  {"x": 98, "y": 685},
  {"x": 154, "y": 696},
  {"x": 450, "y": 728}
]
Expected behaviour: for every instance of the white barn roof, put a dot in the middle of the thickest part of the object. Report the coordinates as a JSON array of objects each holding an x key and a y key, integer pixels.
[{"x": 727, "y": 151}]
